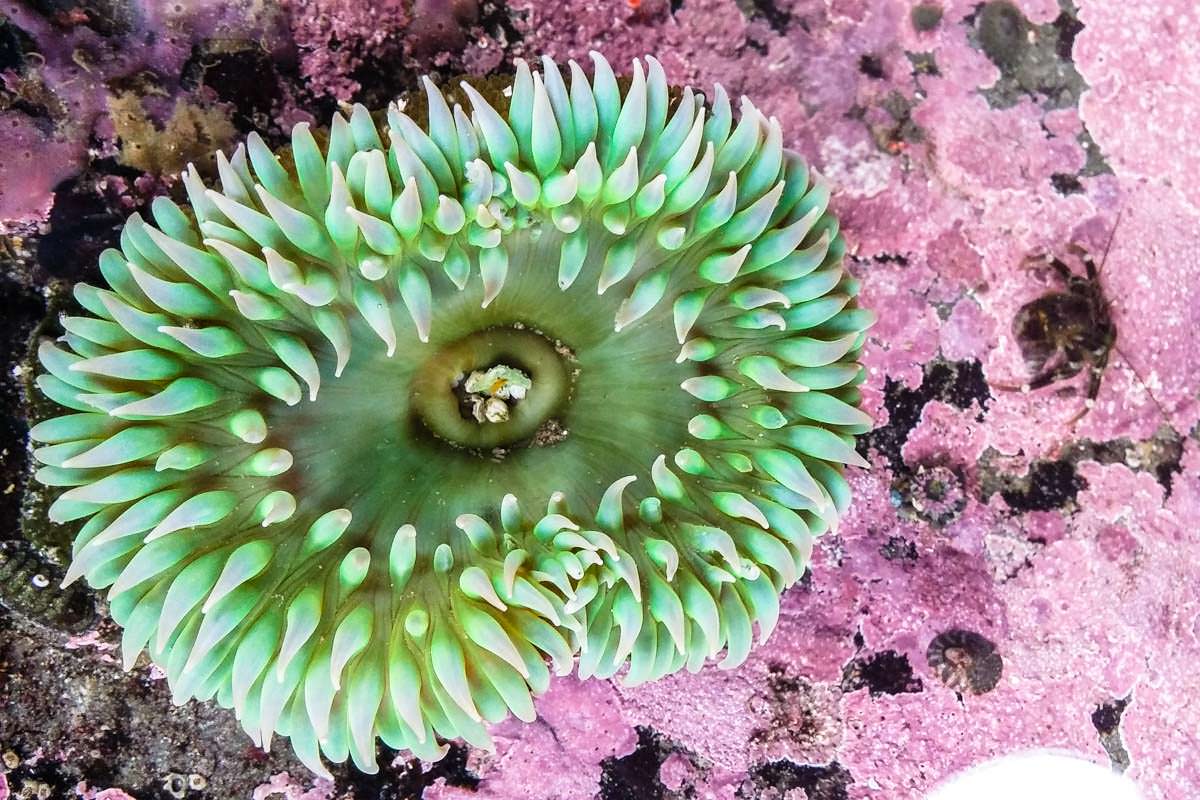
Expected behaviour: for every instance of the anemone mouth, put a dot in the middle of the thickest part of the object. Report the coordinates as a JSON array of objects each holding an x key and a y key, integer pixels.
[
  {"x": 492, "y": 388},
  {"x": 366, "y": 444}
]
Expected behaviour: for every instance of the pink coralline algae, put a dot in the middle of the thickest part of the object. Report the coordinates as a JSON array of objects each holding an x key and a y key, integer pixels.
[
  {"x": 283, "y": 786},
  {"x": 965, "y": 142},
  {"x": 33, "y": 165},
  {"x": 343, "y": 43},
  {"x": 1144, "y": 117},
  {"x": 335, "y": 37},
  {"x": 84, "y": 793}
]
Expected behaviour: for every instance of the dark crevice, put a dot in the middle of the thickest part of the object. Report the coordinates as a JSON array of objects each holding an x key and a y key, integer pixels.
[
  {"x": 635, "y": 776},
  {"x": 818, "y": 782},
  {"x": 885, "y": 672},
  {"x": 499, "y": 21},
  {"x": 83, "y": 223},
  {"x": 409, "y": 779},
  {"x": 382, "y": 75},
  {"x": 1048, "y": 485},
  {"x": 1161, "y": 454},
  {"x": 1065, "y": 183},
  {"x": 871, "y": 66},
  {"x": 1106, "y": 719},
  {"x": 1056, "y": 484},
  {"x": 958, "y": 383},
  {"x": 15, "y": 45},
  {"x": 1107, "y": 716},
  {"x": 242, "y": 74},
  {"x": 768, "y": 10},
  {"x": 1068, "y": 27}
]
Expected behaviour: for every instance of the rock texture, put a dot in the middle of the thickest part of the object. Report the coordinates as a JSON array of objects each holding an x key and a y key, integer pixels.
[{"x": 1020, "y": 568}]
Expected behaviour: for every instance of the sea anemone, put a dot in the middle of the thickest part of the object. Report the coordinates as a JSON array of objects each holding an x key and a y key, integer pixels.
[{"x": 375, "y": 436}]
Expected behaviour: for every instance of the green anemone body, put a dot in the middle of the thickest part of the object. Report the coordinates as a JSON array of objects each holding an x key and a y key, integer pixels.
[{"x": 266, "y": 441}]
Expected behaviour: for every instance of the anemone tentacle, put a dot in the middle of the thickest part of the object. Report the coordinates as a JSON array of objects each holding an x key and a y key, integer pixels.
[{"x": 373, "y": 437}]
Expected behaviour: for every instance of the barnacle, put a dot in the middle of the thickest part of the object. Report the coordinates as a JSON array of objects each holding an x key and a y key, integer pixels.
[
  {"x": 965, "y": 661},
  {"x": 376, "y": 435}
]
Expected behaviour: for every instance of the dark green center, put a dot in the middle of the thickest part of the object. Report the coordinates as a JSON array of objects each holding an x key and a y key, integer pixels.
[{"x": 388, "y": 439}]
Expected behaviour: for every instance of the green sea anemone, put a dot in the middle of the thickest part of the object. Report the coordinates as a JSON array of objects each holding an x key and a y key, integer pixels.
[{"x": 376, "y": 436}]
